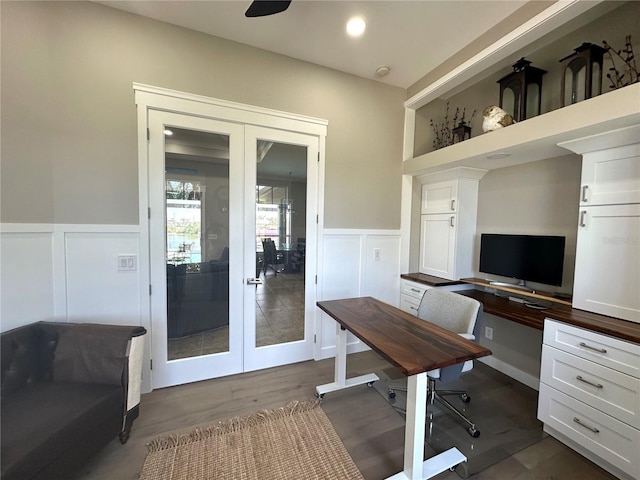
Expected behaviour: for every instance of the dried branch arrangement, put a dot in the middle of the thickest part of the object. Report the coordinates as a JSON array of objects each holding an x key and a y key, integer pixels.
[
  {"x": 444, "y": 132},
  {"x": 625, "y": 55}
]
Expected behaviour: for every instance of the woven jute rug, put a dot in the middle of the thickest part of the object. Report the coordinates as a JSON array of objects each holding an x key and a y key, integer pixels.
[{"x": 296, "y": 441}]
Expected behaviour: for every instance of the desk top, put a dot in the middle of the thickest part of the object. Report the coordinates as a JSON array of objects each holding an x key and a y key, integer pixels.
[
  {"x": 517, "y": 312},
  {"x": 411, "y": 344}
]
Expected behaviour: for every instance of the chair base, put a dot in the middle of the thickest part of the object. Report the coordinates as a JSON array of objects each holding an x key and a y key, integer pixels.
[{"x": 433, "y": 395}]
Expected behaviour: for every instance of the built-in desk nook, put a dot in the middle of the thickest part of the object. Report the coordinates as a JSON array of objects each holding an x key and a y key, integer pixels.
[{"x": 589, "y": 390}]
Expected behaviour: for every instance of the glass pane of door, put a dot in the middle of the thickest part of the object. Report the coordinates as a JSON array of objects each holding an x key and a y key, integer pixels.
[
  {"x": 280, "y": 232},
  {"x": 197, "y": 242}
]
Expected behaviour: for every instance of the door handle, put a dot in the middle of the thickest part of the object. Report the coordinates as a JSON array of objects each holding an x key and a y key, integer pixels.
[
  {"x": 254, "y": 281},
  {"x": 453, "y": 205},
  {"x": 583, "y": 214}
]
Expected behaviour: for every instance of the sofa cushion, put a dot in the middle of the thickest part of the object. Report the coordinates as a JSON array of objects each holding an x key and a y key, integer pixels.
[{"x": 43, "y": 421}]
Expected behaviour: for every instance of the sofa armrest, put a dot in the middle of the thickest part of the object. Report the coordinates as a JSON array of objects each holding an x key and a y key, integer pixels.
[{"x": 134, "y": 377}]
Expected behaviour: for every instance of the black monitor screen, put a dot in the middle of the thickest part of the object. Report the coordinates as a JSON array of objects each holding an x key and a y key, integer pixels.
[{"x": 534, "y": 258}]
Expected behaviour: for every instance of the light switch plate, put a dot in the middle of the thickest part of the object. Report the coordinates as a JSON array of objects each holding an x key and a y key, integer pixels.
[{"x": 127, "y": 263}]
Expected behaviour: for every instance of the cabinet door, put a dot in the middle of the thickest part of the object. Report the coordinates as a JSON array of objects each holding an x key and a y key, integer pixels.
[
  {"x": 611, "y": 176},
  {"x": 437, "y": 252},
  {"x": 607, "y": 273},
  {"x": 441, "y": 197}
]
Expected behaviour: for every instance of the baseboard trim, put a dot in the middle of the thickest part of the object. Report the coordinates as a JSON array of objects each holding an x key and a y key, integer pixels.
[{"x": 523, "y": 377}]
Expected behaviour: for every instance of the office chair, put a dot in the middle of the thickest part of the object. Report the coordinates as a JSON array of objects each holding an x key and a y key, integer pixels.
[{"x": 459, "y": 314}]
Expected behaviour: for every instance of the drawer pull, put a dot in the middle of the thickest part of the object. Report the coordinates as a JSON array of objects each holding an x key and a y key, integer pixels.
[
  {"x": 597, "y": 385},
  {"x": 413, "y": 308},
  {"x": 595, "y": 349},
  {"x": 415, "y": 290},
  {"x": 593, "y": 429}
]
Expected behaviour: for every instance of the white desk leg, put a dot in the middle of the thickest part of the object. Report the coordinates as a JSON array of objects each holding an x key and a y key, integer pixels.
[
  {"x": 415, "y": 467},
  {"x": 341, "y": 356},
  {"x": 415, "y": 427},
  {"x": 340, "y": 377}
]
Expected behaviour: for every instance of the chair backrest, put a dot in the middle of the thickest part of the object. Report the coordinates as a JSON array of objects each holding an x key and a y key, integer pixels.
[
  {"x": 449, "y": 310},
  {"x": 269, "y": 249}
]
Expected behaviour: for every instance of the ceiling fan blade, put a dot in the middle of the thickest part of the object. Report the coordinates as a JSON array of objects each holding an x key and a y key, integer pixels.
[{"x": 262, "y": 8}]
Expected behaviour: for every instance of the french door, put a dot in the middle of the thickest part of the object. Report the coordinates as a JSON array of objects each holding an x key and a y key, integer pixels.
[{"x": 218, "y": 190}]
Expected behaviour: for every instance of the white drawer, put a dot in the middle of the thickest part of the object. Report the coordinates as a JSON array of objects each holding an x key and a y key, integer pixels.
[
  {"x": 409, "y": 304},
  {"x": 413, "y": 289},
  {"x": 608, "y": 351},
  {"x": 615, "y": 393},
  {"x": 608, "y": 438}
]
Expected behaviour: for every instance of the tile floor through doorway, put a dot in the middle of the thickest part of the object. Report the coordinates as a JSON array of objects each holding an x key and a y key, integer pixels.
[{"x": 279, "y": 319}]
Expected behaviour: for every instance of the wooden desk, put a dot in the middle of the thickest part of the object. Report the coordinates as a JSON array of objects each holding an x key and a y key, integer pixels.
[
  {"x": 519, "y": 313},
  {"x": 415, "y": 347}
]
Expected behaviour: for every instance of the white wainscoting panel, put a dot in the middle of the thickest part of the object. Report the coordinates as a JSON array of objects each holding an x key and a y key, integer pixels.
[
  {"x": 26, "y": 276},
  {"x": 69, "y": 273},
  {"x": 350, "y": 269},
  {"x": 97, "y": 292}
]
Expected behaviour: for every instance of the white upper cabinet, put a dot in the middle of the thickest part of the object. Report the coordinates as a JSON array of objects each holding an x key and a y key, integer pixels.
[
  {"x": 440, "y": 197},
  {"x": 611, "y": 177},
  {"x": 607, "y": 271},
  {"x": 448, "y": 222},
  {"x": 610, "y": 167}
]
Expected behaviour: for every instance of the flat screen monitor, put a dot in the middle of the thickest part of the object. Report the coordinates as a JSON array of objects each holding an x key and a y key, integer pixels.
[{"x": 533, "y": 258}]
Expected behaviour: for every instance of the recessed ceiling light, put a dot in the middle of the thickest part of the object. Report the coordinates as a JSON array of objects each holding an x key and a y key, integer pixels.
[
  {"x": 356, "y": 26},
  {"x": 168, "y": 132}
]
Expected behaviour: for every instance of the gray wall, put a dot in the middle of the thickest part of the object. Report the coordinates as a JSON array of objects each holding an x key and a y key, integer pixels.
[
  {"x": 69, "y": 152},
  {"x": 538, "y": 198}
]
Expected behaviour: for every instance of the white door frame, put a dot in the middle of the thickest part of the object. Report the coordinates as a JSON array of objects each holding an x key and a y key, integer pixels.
[{"x": 155, "y": 98}]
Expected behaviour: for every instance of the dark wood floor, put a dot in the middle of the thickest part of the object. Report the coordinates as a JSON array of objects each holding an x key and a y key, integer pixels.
[{"x": 370, "y": 428}]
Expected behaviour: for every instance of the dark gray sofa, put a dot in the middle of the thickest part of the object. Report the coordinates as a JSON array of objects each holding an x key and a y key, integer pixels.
[{"x": 67, "y": 390}]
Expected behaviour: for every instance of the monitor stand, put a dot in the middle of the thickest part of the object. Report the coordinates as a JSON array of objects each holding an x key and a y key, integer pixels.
[{"x": 516, "y": 286}]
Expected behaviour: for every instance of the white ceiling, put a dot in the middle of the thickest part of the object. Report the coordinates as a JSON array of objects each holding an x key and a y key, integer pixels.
[{"x": 411, "y": 37}]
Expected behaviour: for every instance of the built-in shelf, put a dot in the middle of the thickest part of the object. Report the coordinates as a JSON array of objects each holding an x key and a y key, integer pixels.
[
  {"x": 521, "y": 293},
  {"x": 536, "y": 138}
]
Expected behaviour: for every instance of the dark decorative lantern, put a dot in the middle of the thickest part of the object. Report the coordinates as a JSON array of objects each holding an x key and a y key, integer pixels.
[
  {"x": 461, "y": 133},
  {"x": 582, "y": 71},
  {"x": 521, "y": 90}
]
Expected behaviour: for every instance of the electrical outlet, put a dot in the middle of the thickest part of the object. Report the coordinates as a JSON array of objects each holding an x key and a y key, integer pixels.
[
  {"x": 488, "y": 333},
  {"x": 376, "y": 254}
]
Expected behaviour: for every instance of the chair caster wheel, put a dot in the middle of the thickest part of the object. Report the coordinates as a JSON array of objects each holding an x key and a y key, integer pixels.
[
  {"x": 370, "y": 384},
  {"x": 465, "y": 398},
  {"x": 320, "y": 395},
  {"x": 473, "y": 432},
  {"x": 391, "y": 393}
]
